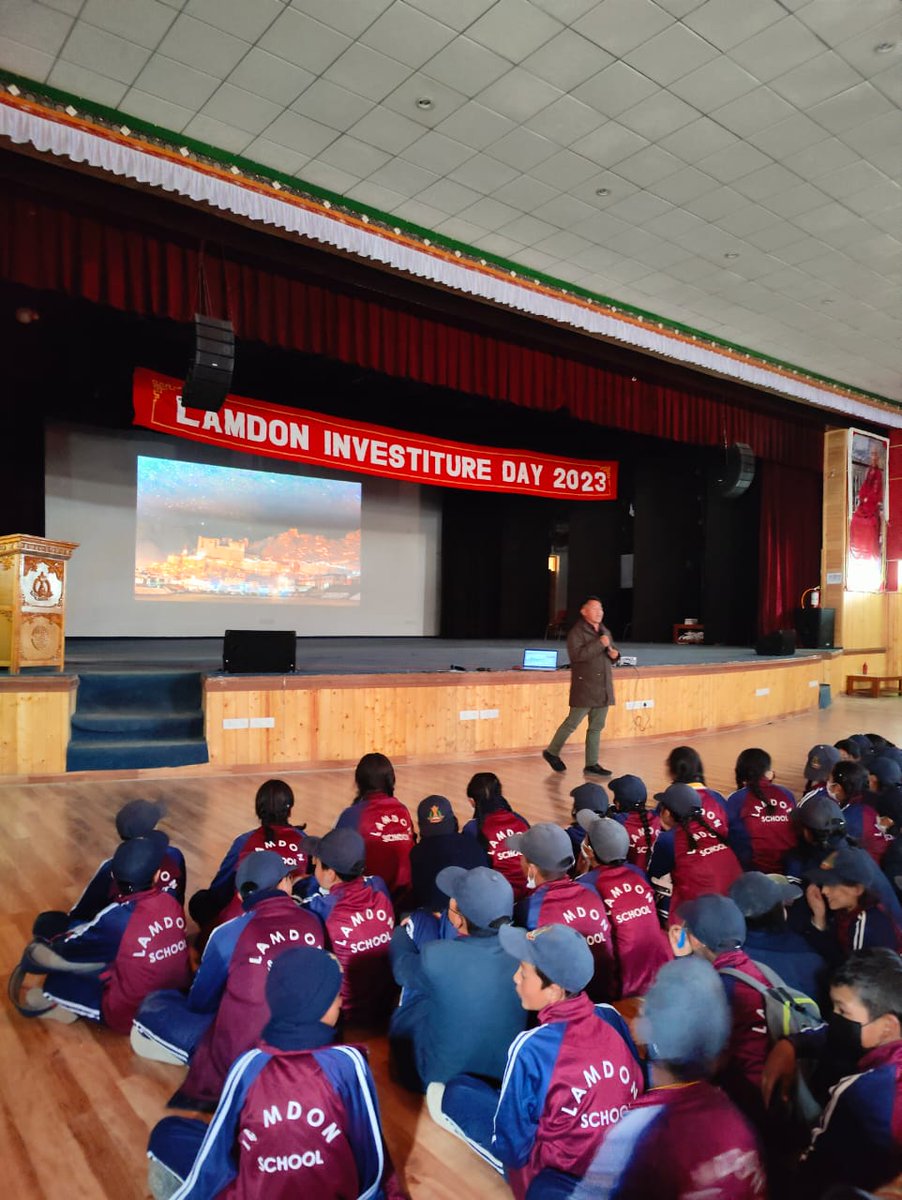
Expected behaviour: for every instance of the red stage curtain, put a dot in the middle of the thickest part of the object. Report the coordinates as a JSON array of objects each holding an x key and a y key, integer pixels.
[
  {"x": 45, "y": 244},
  {"x": 790, "y": 541}
]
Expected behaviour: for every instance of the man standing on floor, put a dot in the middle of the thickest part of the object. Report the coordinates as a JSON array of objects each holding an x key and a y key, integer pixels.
[{"x": 592, "y": 653}]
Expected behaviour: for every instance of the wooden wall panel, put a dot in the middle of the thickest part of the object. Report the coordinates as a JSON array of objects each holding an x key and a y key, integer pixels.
[
  {"x": 864, "y": 620},
  {"x": 34, "y": 725},
  {"x": 836, "y": 523}
]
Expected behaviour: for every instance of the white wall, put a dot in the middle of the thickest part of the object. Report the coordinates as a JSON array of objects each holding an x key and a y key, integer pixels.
[{"x": 90, "y": 498}]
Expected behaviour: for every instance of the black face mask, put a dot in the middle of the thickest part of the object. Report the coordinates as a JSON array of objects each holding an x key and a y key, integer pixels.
[{"x": 844, "y": 1037}]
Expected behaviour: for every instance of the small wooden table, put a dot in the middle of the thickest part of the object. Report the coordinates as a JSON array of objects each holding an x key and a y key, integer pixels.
[
  {"x": 678, "y": 629},
  {"x": 875, "y": 685}
]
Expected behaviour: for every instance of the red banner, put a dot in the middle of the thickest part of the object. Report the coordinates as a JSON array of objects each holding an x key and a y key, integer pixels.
[{"x": 272, "y": 430}]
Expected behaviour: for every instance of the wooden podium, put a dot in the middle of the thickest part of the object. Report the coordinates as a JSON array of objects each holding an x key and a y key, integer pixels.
[{"x": 32, "y": 601}]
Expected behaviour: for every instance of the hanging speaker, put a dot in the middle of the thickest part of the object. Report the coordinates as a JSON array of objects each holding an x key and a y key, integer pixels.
[
  {"x": 210, "y": 375},
  {"x": 735, "y": 476}
]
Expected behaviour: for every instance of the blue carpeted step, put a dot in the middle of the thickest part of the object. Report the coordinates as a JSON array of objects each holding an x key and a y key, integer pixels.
[
  {"x": 110, "y": 756},
  {"x": 118, "y": 726},
  {"x": 165, "y": 691}
]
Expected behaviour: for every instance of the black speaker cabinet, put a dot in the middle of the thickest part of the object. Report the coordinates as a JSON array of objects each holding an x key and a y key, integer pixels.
[
  {"x": 816, "y": 627},
  {"x": 259, "y": 651},
  {"x": 210, "y": 375},
  {"x": 782, "y": 642}
]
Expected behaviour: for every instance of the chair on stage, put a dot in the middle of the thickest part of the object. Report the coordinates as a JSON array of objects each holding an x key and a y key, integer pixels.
[{"x": 557, "y": 626}]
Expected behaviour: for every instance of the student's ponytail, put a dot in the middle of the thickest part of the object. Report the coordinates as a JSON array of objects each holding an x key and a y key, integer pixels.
[
  {"x": 700, "y": 820},
  {"x": 751, "y": 767},
  {"x": 646, "y": 828}
]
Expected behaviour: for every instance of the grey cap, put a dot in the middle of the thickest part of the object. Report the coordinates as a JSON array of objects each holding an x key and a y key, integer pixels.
[
  {"x": 755, "y": 894},
  {"x": 547, "y": 846},
  {"x": 715, "y": 921},
  {"x": 481, "y": 894},
  {"x": 558, "y": 951},
  {"x": 264, "y": 869},
  {"x": 685, "y": 1017},
  {"x": 608, "y": 838},
  {"x": 341, "y": 850}
]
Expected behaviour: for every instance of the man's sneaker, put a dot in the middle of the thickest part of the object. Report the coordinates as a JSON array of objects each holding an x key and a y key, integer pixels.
[
  {"x": 556, "y": 764},
  {"x": 595, "y": 769}
]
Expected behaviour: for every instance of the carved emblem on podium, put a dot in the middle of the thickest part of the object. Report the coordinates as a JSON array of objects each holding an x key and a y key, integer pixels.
[{"x": 42, "y": 584}]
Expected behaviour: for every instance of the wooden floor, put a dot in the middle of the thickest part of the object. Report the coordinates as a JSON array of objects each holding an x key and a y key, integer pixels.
[{"x": 76, "y": 1105}]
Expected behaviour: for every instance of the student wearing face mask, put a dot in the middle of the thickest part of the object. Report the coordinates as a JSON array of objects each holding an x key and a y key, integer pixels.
[{"x": 858, "y": 1141}]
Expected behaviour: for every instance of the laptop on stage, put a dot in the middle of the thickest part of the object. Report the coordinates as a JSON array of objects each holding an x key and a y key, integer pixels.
[{"x": 539, "y": 660}]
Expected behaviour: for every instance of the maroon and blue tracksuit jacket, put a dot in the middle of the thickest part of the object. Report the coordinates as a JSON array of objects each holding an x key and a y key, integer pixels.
[
  {"x": 639, "y": 944},
  {"x": 863, "y": 824},
  {"x": 497, "y": 827},
  {"x": 858, "y": 1141},
  {"x": 678, "y": 1143},
  {"x": 760, "y": 831},
  {"x": 286, "y": 840},
  {"x": 359, "y": 919},
  {"x": 231, "y": 983},
  {"x": 709, "y": 866},
  {"x": 102, "y": 889},
  {"x": 743, "y": 1062},
  {"x": 141, "y": 938},
  {"x": 640, "y": 851},
  {"x": 387, "y": 831},
  {"x": 575, "y": 902},
  {"x": 567, "y": 1082},
  {"x": 293, "y": 1123}
]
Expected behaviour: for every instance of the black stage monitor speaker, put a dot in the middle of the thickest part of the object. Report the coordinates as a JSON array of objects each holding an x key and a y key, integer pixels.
[
  {"x": 210, "y": 375},
  {"x": 816, "y": 627},
  {"x": 779, "y": 643},
  {"x": 259, "y": 651}
]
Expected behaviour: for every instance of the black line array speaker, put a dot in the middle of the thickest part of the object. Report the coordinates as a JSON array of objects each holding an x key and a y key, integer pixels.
[
  {"x": 259, "y": 651},
  {"x": 816, "y": 627},
  {"x": 210, "y": 375},
  {"x": 780, "y": 643}
]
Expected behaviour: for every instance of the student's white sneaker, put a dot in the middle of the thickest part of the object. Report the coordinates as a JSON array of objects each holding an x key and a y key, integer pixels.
[
  {"x": 147, "y": 1047},
  {"x": 435, "y": 1093},
  {"x": 161, "y": 1182},
  {"x": 46, "y": 1009}
]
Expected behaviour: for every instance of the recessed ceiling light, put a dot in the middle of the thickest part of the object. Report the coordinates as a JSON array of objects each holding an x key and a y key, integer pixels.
[
  {"x": 602, "y": 191},
  {"x": 731, "y": 254},
  {"x": 884, "y": 47},
  {"x": 425, "y": 103}
]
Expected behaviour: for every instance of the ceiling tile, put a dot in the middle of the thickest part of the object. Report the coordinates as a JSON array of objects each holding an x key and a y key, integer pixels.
[
  {"x": 514, "y": 28},
  {"x": 715, "y": 84},
  {"x": 716, "y": 204},
  {"x": 466, "y": 66},
  {"x": 351, "y": 19},
  {"x": 420, "y": 214},
  {"x": 331, "y": 105},
  {"x": 246, "y": 21},
  {"x": 460, "y": 231},
  {"x": 565, "y": 170},
  {"x": 33, "y": 25},
  {"x": 697, "y": 140},
  {"x": 522, "y": 149},
  {"x": 485, "y": 174},
  {"x": 407, "y": 34},
  {"x": 684, "y": 185},
  {"x": 441, "y": 154},
  {"x": 817, "y": 79},
  {"x": 141, "y": 21},
  {"x": 673, "y": 224},
  {"x": 820, "y": 159},
  {"x": 299, "y": 133},
  {"x": 564, "y": 244},
  {"x": 488, "y": 213},
  {"x": 615, "y": 89},
  {"x": 886, "y": 196},
  {"x": 519, "y": 95},
  {"x": 835, "y": 22},
  {"x": 619, "y": 26},
  {"x": 273, "y": 78},
  {"x": 403, "y": 177},
  {"x": 475, "y": 125},
  {"x": 787, "y": 138},
  {"x": 448, "y": 197},
  {"x": 528, "y": 230},
  {"x": 610, "y": 144},
  {"x": 137, "y": 103},
  {"x": 503, "y": 247},
  {"x": 753, "y": 112},
  {"x": 565, "y": 120},
  {"x": 215, "y": 133},
  {"x": 670, "y": 54},
  {"x": 373, "y": 194},
  {"x": 177, "y": 83},
  {"x": 25, "y": 60},
  {"x": 767, "y": 181},
  {"x": 201, "y": 46},
  {"x": 726, "y": 23},
  {"x": 367, "y": 72},
  {"x": 640, "y": 207},
  {"x": 240, "y": 109},
  {"x": 404, "y": 100},
  {"x": 890, "y": 84},
  {"x": 82, "y": 82},
  {"x": 387, "y": 130},
  {"x": 306, "y": 43},
  {"x": 458, "y": 15},
  {"x": 567, "y": 11},
  {"x": 567, "y": 60},
  {"x": 350, "y": 154},
  {"x": 104, "y": 53},
  {"x": 526, "y": 193},
  {"x": 616, "y": 186},
  {"x": 324, "y": 175},
  {"x": 271, "y": 154},
  {"x": 850, "y": 108},
  {"x": 648, "y": 166},
  {"x": 565, "y": 211},
  {"x": 658, "y": 116},
  {"x": 777, "y": 49},
  {"x": 680, "y": 8},
  {"x": 774, "y": 237},
  {"x": 72, "y": 7},
  {"x": 799, "y": 199},
  {"x": 751, "y": 219}
]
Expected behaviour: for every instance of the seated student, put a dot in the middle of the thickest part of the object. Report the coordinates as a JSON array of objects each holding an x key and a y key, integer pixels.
[
  {"x": 820, "y": 827},
  {"x": 460, "y": 1010},
  {"x": 885, "y": 785},
  {"x": 103, "y": 969},
  {"x": 137, "y": 818},
  {"x": 820, "y": 762},
  {"x": 384, "y": 824},
  {"x": 858, "y": 1141},
  {"x": 357, "y": 912},
  {"x": 713, "y": 928},
  {"x": 683, "y": 1139},
  {"x": 222, "y": 1015},
  {"x": 493, "y": 822},
  {"x": 849, "y": 788},
  {"x": 556, "y": 899},
  {"x": 640, "y": 946},
  {"x": 759, "y": 815},
  {"x": 769, "y": 939},
  {"x": 691, "y": 857},
  {"x": 567, "y": 1081},
  {"x": 685, "y": 766},
  {"x": 849, "y": 750},
  {"x": 588, "y": 797},
  {"x": 631, "y": 810},
  {"x": 851, "y": 906},
  {"x": 440, "y": 846},
  {"x": 298, "y": 1116},
  {"x": 220, "y": 902}
]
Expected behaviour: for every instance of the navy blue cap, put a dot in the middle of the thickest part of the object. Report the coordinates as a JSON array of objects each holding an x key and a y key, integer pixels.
[
  {"x": 138, "y": 859},
  {"x": 885, "y": 770},
  {"x": 821, "y": 814},
  {"x": 435, "y": 816},
  {"x": 821, "y": 761},
  {"x": 846, "y": 864},
  {"x": 685, "y": 1017},
  {"x": 715, "y": 921},
  {"x": 756, "y": 894},
  {"x": 591, "y": 796},
  {"x": 481, "y": 894},
  {"x": 558, "y": 951},
  {"x": 342, "y": 850},
  {"x": 301, "y": 986},
  {"x": 138, "y": 818},
  {"x": 681, "y": 799},
  {"x": 630, "y": 793},
  {"x": 263, "y": 869}
]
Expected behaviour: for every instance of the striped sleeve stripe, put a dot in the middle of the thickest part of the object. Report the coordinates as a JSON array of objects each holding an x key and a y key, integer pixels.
[
  {"x": 82, "y": 1009},
  {"x": 376, "y": 1129},
  {"x": 153, "y": 1036}
]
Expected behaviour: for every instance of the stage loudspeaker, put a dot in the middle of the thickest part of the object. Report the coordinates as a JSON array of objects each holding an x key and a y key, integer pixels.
[
  {"x": 210, "y": 375},
  {"x": 737, "y": 472},
  {"x": 259, "y": 651},
  {"x": 816, "y": 627},
  {"x": 780, "y": 643}
]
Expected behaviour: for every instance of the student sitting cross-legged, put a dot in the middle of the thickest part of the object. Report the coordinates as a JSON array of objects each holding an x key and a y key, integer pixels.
[
  {"x": 298, "y": 1116},
  {"x": 566, "y": 1082}
]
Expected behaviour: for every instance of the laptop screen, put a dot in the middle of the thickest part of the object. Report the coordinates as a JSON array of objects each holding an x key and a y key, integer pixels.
[{"x": 540, "y": 660}]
